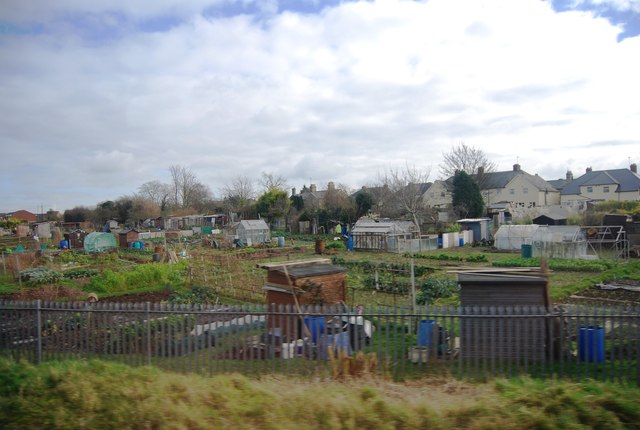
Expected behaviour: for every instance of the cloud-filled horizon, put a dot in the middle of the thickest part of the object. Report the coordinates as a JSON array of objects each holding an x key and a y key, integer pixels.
[{"x": 100, "y": 98}]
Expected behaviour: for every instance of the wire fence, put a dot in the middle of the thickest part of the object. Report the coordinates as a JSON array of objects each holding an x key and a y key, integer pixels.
[{"x": 476, "y": 343}]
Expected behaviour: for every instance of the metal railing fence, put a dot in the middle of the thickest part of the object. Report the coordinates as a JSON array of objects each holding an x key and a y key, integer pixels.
[{"x": 469, "y": 342}]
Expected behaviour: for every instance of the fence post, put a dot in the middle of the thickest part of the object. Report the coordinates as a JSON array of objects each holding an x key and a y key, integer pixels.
[
  {"x": 18, "y": 270},
  {"x": 148, "y": 334},
  {"x": 39, "y": 329}
]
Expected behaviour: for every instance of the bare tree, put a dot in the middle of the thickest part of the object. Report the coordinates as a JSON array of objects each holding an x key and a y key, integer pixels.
[
  {"x": 270, "y": 182},
  {"x": 239, "y": 193},
  {"x": 406, "y": 187},
  {"x": 463, "y": 158},
  {"x": 186, "y": 190},
  {"x": 157, "y": 192}
]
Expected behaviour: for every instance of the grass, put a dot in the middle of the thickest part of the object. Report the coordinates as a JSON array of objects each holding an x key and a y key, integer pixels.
[
  {"x": 96, "y": 394},
  {"x": 234, "y": 276}
]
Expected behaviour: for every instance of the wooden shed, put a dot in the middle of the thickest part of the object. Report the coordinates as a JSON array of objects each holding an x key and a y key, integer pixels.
[
  {"x": 555, "y": 216},
  {"x": 297, "y": 284},
  {"x": 513, "y": 297},
  {"x": 126, "y": 237},
  {"x": 76, "y": 238}
]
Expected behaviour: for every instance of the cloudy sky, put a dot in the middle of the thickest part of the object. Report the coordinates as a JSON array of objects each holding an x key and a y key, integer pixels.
[{"x": 98, "y": 97}]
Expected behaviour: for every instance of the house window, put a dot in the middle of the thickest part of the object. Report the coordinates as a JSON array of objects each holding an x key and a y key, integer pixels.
[
  {"x": 433, "y": 195},
  {"x": 605, "y": 189},
  {"x": 525, "y": 190},
  {"x": 589, "y": 189},
  {"x": 442, "y": 194},
  {"x": 512, "y": 191}
]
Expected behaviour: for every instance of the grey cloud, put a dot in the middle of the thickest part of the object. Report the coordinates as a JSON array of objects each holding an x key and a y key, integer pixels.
[{"x": 531, "y": 93}]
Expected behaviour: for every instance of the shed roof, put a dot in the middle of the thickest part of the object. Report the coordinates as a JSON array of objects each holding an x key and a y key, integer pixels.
[
  {"x": 254, "y": 224},
  {"x": 385, "y": 226}
]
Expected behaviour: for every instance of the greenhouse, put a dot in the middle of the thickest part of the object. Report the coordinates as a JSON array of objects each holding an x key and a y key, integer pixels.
[
  {"x": 99, "y": 242},
  {"x": 512, "y": 237},
  {"x": 562, "y": 241}
]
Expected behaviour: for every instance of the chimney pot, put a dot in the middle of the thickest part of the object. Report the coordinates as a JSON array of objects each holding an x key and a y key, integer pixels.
[
  {"x": 634, "y": 168},
  {"x": 516, "y": 167},
  {"x": 589, "y": 170}
]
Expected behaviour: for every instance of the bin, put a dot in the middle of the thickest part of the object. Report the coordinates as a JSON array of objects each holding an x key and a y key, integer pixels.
[
  {"x": 315, "y": 326},
  {"x": 426, "y": 333},
  {"x": 526, "y": 251},
  {"x": 591, "y": 344}
]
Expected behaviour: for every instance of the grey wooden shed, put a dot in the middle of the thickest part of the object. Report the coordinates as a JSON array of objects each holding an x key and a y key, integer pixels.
[{"x": 500, "y": 309}]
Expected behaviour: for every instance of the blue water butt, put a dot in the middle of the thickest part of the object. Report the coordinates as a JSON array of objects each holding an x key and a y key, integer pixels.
[
  {"x": 591, "y": 344},
  {"x": 315, "y": 326},
  {"x": 426, "y": 332}
]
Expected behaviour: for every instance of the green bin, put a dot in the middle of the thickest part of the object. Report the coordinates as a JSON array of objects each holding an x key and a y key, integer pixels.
[{"x": 525, "y": 251}]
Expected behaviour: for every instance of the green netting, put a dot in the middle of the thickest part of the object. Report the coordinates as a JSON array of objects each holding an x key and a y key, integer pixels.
[{"x": 99, "y": 242}]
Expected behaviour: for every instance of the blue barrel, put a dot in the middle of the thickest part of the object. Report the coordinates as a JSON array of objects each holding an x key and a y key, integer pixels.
[
  {"x": 461, "y": 242},
  {"x": 439, "y": 242},
  {"x": 280, "y": 241},
  {"x": 591, "y": 344},
  {"x": 526, "y": 251},
  {"x": 426, "y": 332},
  {"x": 64, "y": 244},
  {"x": 315, "y": 326}
]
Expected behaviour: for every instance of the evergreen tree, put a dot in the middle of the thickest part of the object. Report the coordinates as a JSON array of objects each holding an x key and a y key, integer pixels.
[{"x": 467, "y": 199}]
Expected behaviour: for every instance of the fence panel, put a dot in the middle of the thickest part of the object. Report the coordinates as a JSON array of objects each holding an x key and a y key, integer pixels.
[{"x": 469, "y": 342}]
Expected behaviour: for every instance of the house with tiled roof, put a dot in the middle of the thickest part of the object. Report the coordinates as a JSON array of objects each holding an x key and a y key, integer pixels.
[
  {"x": 602, "y": 185},
  {"x": 513, "y": 189},
  {"x": 519, "y": 188}
]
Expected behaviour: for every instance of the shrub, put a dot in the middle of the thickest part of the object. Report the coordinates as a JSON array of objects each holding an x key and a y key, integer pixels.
[
  {"x": 40, "y": 275},
  {"x": 336, "y": 244},
  {"x": 145, "y": 276},
  {"x": 195, "y": 296},
  {"x": 79, "y": 273},
  {"x": 436, "y": 288}
]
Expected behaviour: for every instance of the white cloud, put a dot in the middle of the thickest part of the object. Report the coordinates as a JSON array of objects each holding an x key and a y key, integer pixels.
[{"x": 337, "y": 95}]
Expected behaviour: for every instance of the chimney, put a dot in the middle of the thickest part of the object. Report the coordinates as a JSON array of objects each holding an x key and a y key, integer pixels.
[
  {"x": 480, "y": 170},
  {"x": 516, "y": 167},
  {"x": 293, "y": 191},
  {"x": 569, "y": 175},
  {"x": 331, "y": 186},
  {"x": 589, "y": 170},
  {"x": 634, "y": 168},
  {"x": 313, "y": 188}
]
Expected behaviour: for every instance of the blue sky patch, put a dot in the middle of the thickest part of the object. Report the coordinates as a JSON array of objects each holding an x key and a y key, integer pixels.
[{"x": 627, "y": 19}]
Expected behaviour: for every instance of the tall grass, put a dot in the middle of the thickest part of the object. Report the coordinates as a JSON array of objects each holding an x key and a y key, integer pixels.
[{"x": 95, "y": 394}]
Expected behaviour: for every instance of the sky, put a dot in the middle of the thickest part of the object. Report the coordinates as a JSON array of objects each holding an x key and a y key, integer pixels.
[{"x": 99, "y": 97}]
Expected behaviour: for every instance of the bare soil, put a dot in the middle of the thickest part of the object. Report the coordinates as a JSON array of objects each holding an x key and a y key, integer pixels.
[{"x": 604, "y": 297}]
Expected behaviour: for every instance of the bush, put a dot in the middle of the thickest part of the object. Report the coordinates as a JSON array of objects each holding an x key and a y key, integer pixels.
[
  {"x": 436, "y": 288},
  {"x": 195, "y": 296},
  {"x": 558, "y": 264},
  {"x": 336, "y": 244},
  {"x": 145, "y": 276},
  {"x": 79, "y": 273},
  {"x": 40, "y": 275}
]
